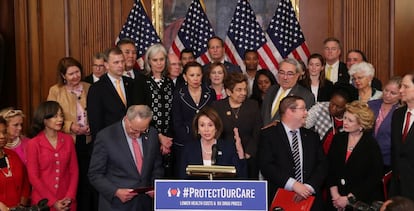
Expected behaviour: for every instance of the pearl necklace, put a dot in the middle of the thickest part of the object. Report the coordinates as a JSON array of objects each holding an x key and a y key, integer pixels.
[{"x": 9, "y": 172}]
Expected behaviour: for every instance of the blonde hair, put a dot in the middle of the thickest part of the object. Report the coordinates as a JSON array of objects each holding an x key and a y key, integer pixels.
[{"x": 362, "y": 112}]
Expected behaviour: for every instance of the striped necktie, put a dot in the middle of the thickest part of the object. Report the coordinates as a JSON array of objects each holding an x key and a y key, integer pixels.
[{"x": 296, "y": 156}]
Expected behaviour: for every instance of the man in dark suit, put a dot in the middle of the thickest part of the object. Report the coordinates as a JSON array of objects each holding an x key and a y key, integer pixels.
[
  {"x": 98, "y": 68},
  {"x": 215, "y": 48},
  {"x": 291, "y": 156},
  {"x": 288, "y": 75},
  {"x": 125, "y": 157},
  {"x": 105, "y": 104},
  {"x": 402, "y": 142},
  {"x": 335, "y": 70},
  {"x": 127, "y": 46}
]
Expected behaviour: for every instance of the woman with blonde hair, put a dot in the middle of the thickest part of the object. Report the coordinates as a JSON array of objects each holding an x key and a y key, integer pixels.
[
  {"x": 16, "y": 141},
  {"x": 355, "y": 160}
]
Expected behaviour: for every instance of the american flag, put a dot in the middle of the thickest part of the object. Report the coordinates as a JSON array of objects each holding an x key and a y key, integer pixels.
[
  {"x": 284, "y": 35},
  {"x": 139, "y": 28},
  {"x": 194, "y": 33},
  {"x": 245, "y": 33}
]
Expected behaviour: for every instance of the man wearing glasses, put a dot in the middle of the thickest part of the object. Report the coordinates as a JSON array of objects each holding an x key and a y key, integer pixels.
[
  {"x": 125, "y": 162},
  {"x": 288, "y": 75},
  {"x": 290, "y": 156},
  {"x": 98, "y": 68}
]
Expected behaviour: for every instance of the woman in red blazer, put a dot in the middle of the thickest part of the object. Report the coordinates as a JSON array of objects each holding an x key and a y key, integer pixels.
[{"x": 51, "y": 159}]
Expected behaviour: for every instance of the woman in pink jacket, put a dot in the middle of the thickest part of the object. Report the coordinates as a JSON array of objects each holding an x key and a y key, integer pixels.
[{"x": 51, "y": 159}]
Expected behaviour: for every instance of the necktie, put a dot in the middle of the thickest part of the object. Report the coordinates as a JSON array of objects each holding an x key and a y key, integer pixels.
[
  {"x": 296, "y": 156},
  {"x": 406, "y": 126},
  {"x": 328, "y": 72},
  {"x": 138, "y": 154},
  {"x": 129, "y": 74},
  {"x": 276, "y": 107},
  {"x": 119, "y": 90}
]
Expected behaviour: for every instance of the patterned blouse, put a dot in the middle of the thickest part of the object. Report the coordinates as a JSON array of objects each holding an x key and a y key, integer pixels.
[{"x": 160, "y": 101}]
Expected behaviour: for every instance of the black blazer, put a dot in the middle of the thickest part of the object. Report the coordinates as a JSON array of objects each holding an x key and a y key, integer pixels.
[
  {"x": 343, "y": 75},
  {"x": 104, "y": 105},
  {"x": 89, "y": 79},
  {"x": 361, "y": 175},
  {"x": 248, "y": 122},
  {"x": 275, "y": 159},
  {"x": 402, "y": 156},
  {"x": 184, "y": 110},
  {"x": 227, "y": 156},
  {"x": 297, "y": 90},
  {"x": 324, "y": 92}
]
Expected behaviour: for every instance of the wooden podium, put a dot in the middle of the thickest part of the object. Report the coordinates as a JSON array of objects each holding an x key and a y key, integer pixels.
[{"x": 211, "y": 171}]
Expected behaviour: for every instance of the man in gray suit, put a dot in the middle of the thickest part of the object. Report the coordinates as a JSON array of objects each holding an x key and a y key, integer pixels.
[
  {"x": 119, "y": 166},
  {"x": 288, "y": 75}
]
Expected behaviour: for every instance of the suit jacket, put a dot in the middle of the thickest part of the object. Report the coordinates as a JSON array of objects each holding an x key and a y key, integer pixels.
[
  {"x": 104, "y": 105},
  {"x": 402, "y": 157},
  {"x": 276, "y": 163},
  {"x": 324, "y": 92},
  {"x": 53, "y": 172},
  {"x": 361, "y": 175},
  {"x": 343, "y": 76},
  {"x": 297, "y": 90},
  {"x": 248, "y": 122},
  {"x": 112, "y": 166},
  {"x": 227, "y": 156},
  {"x": 383, "y": 136},
  {"x": 89, "y": 79},
  {"x": 68, "y": 102},
  {"x": 184, "y": 110}
]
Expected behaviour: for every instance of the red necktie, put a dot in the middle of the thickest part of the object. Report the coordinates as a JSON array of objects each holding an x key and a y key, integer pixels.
[
  {"x": 406, "y": 126},
  {"x": 138, "y": 154}
]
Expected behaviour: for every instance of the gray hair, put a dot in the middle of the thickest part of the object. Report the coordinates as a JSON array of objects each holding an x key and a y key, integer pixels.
[
  {"x": 364, "y": 67},
  {"x": 151, "y": 51},
  {"x": 295, "y": 62},
  {"x": 140, "y": 111}
]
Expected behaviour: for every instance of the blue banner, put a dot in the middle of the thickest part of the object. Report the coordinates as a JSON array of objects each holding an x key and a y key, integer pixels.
[{"x": 210, "y": 195}]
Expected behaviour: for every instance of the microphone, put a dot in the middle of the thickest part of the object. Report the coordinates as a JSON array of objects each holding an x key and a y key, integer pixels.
[{"x": 214, "y": 152}]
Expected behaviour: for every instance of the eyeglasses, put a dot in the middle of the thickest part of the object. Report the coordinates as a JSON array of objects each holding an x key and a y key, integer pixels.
[
  {"x": 98, "y": 65},
  {"x": 300, "y": 108},
  {"x": 12, "y": 113},
  {"x": 288, "y": 74}
]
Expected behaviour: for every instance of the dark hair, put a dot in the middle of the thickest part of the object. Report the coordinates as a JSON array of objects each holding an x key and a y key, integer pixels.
[
  {"x": 256, "y": 93},
  {"x": 234, "y": 78},
  {"x": 192, "y": 64},
  {"x": 399, "y": 203},
  {"x": 217, "y": 38},
  {"x": 114, "y": 51},
  {"x": 213, "y": 116},
  {"x": 333, "y": 39},
  {"x": 306, "y": 81},
  {"x": 45, "y": 110},
  {"x": 98, "y": 55},
  {"x": 124, "y": 41},
  {"x": 364, "y": 58},
  {"x": 3, "y": 121},
  {"x": 63, "y": 66},
  {"x": 186, "y": 50},
  {"x": 346, "y": 91},
  {"x": 249, "y": 51},
  {"x": 288, "y": 102}
]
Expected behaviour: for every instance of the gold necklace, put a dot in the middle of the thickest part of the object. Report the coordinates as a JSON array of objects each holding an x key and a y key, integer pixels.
[{"x": 9, "y": 172}]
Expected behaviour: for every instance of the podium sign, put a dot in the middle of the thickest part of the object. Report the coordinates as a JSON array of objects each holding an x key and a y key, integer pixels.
[{"x": 176, "y": 195}]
